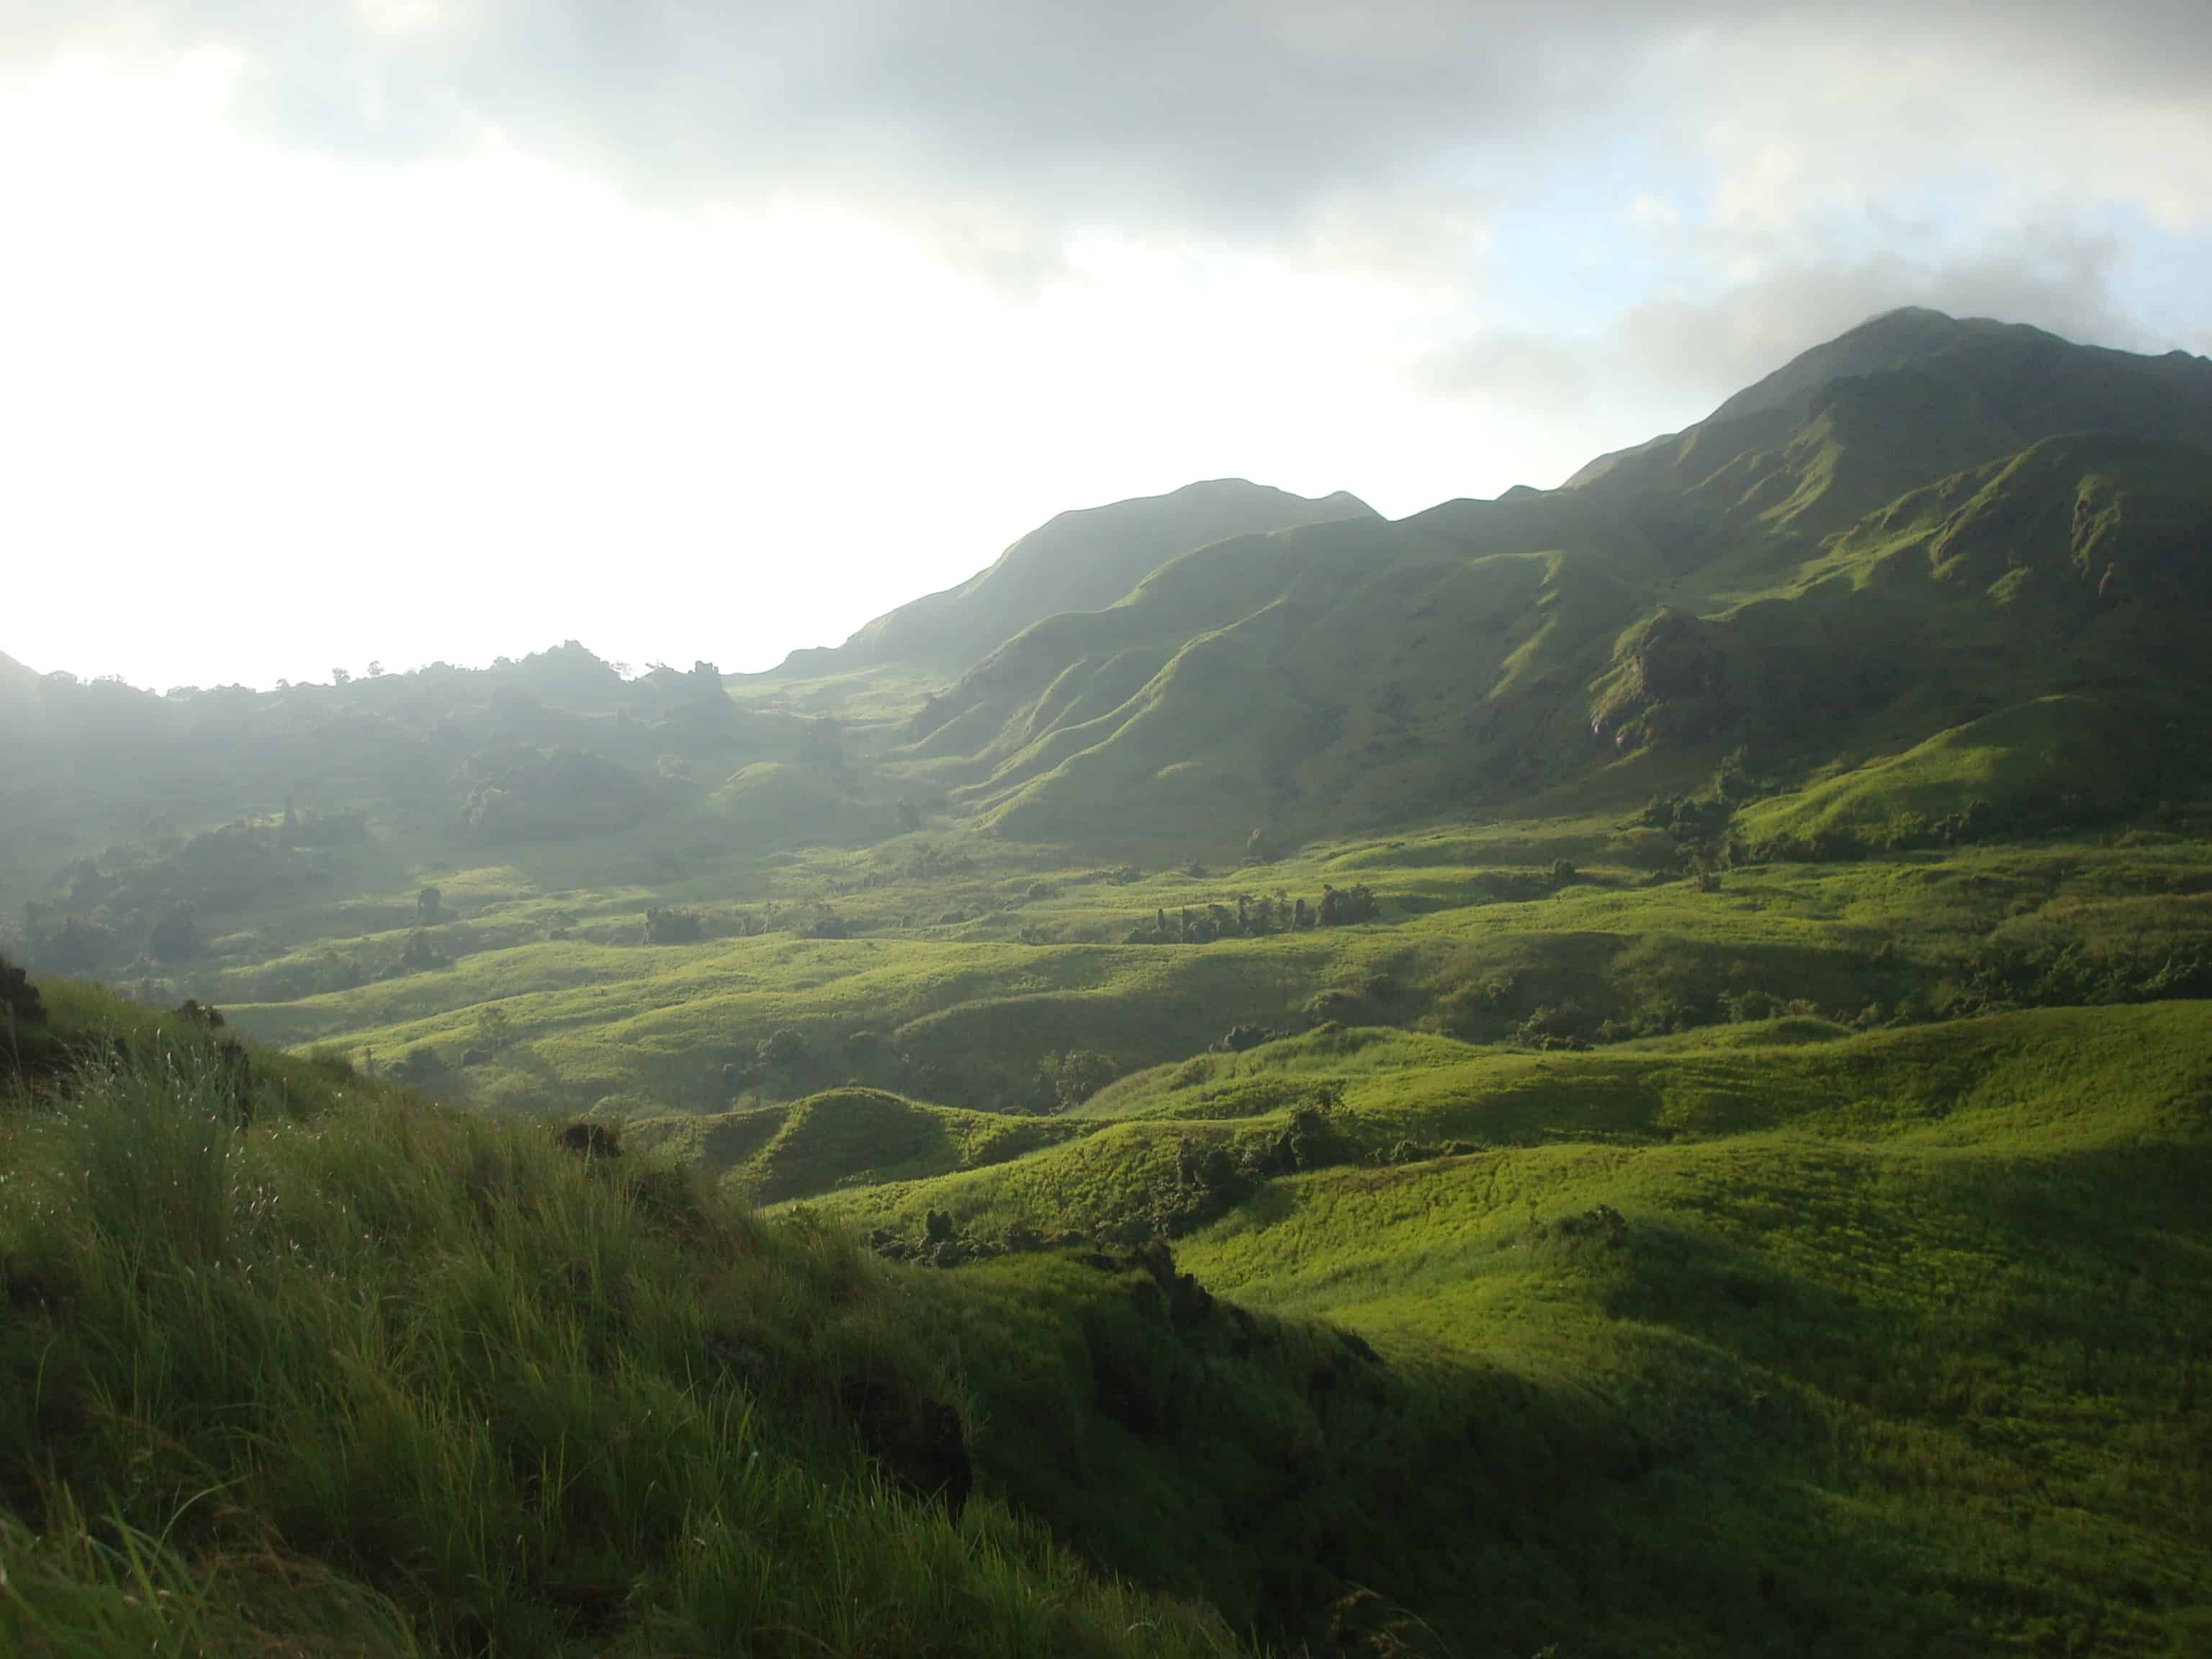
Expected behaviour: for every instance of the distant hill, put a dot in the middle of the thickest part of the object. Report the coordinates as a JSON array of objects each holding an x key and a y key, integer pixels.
[
  {"x": 13, "y": 674},
  {"x": 1902, "y": 531},
  {"x": 1080, "y": 560},
  {"x": 1900, "y": 535}
]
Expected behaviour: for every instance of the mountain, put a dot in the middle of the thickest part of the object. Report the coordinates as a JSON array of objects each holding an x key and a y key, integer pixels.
[
  {"x": 1902, "y": 399},
  {"x": 1080, "y": 560},
  {"x": 1928, "y": 563},
  {"x": 1903, "y": 531}
]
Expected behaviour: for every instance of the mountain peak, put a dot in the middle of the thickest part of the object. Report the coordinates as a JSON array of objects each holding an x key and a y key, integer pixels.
[
  {"x": 1889, "y": 340},
  {"x": 1084, "y": 559}
]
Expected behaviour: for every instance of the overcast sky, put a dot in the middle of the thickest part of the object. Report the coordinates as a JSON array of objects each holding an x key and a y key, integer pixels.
[{"x": 409, "y": 330}]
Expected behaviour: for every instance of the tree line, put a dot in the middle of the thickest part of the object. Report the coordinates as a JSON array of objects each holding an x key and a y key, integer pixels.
[{"x": 1250, "y": 916}]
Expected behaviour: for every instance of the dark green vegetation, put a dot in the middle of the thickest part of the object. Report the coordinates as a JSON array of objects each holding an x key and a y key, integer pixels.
[
  {"x": 1627, "y": 1068},
  {"x": 295, "y": 1364}
]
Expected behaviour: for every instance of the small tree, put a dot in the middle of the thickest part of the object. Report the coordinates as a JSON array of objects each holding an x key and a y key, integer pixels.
[
  {"x": 19, "y": 998},
  {"x": 174, "y": 934},
  {"x": 1069, "y": 1079},
  {"x": 339, "y": 677},
  {"x": 494, "y": 1030},
  {"x": 430, "y": 907},
  {"x": 782, "y": 1049},
  {"x": 673, "y": 927}
]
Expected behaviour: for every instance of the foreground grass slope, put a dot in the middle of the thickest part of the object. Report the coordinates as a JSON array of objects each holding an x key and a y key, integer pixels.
[
  {"x": 1770, "y": 1339},
  {"x": 1907, "y": 1330},
  {"x": 295, "y": 1364}
]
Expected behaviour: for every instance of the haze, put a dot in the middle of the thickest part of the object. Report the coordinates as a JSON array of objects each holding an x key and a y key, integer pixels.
[{"x": 423, "y": 331}]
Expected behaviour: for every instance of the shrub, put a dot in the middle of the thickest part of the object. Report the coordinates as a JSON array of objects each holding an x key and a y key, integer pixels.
[
  {"x": 1068, "y": 1079},
  {"x": 19, "y": 998},
  {"x": 782, "y": 1049},
  {"x": 673, "y": 927}
]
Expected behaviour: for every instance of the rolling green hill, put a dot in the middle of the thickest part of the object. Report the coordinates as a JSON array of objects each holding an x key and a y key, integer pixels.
[{"x": 1621, "y": 1070}]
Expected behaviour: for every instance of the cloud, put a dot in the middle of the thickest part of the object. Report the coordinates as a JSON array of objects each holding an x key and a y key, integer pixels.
[
  {"x": 999, "y": 124},
  {"x": 1665, "y": 361},
  {"x": 469, "y": 286}
]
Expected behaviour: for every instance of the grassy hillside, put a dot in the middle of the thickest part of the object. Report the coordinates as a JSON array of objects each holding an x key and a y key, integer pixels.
[
  {"x": 300, "y": 1364},
  {"x": 1622, "y": 1070},
  {"x": 1902, "y": 1324},
  {"x": 1906, "y": 1330}
]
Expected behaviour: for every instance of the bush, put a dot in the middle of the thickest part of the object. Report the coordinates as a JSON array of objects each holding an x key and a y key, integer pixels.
[
  {"x": 19, "y": 998},
  {"x": 782, "y": 1049},
  {"x": 1069, "y": 1079},
  {"x": 1238, "y": 1038},
  {"x": 673, "y": 927}
]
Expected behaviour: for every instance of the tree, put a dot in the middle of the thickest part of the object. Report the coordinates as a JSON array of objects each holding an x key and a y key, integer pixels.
[
  {"x": 79, "y": 945},
  {"x": 430, "y": 907},
  {"x": 909, "y": 816},
  {"x": 1344, "y": 907},
  {"x": 19, "y": 998},
  {"x": 782, "y": 1049},
  {"x": 1562, "y": 871},
  {"x": 174, "y": 934},
  {"x": 1069, "y": 1079},
  {"x": 376, "y": 671},
  {"x": 339, "y": 677},
  {"x": 494, "y": 1030},
  {"x": 673, "y": 927}
]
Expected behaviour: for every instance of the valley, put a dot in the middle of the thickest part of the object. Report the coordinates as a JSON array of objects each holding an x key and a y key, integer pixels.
[{"x": 1620, "y": 1070}]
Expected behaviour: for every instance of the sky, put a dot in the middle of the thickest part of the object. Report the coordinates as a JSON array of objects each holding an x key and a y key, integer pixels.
[{"x": 335, "y": 331}]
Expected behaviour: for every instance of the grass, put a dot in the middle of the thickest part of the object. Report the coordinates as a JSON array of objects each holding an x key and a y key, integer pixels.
[
  {"x": 1474, "y": 940},
  {"x": 1767, "y": 1337},
  {"x": 383, "y": 1378},
  {"x": 1906, "y": 1329},
  {"x": 1617, "y": 1245},
  {"x": 841, "y": 1138}
]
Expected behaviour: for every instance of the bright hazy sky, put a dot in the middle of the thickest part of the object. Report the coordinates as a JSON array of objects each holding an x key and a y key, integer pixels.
[{"x": 409, "y": 330}]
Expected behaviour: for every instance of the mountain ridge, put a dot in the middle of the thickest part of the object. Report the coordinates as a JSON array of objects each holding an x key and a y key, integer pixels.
[
  {"x": 1686, "y": 592},
  {"x": 1082, "y": 559}
]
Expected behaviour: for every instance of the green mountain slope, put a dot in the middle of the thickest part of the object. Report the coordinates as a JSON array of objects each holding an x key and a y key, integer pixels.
[
  {"x": 1080, "y": 560},
  {"x": 1862, "y": 1304},
  {"x": 1973, "y": 518}
]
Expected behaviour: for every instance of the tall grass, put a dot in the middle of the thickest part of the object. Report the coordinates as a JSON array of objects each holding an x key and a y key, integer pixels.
[{"x": 388, "y": 1379}]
